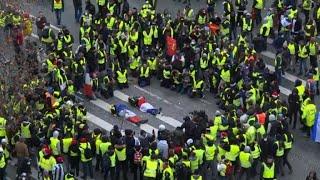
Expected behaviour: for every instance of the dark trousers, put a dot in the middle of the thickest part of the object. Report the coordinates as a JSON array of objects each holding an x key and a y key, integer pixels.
[
  {"x": 58, "y": 13},
  {"x": 306, "y": 15},
  {"x": 246, "y": 171},
  {"x": 77, "y": 13},
  {"x": 112, "y": 171},
  {"x": 123, "y": 85},
  {"x": 74, "y": 164},
  {"x": 258, "y": 16},
  {"x": 285, "y": 159},
  {"x": 279, "y": 165},
  {"x": 137, "y": 172},
  {"x": 121, "y": 166},
  {"x": 87, "y": 167},
  {"x": 313, "y": 61},
  {"x": 293, "y": 115},
  {"x": 98, "y": 162}
]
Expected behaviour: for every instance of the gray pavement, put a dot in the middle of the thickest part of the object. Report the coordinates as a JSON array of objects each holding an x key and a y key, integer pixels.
[{"x": 304, "y": 155}]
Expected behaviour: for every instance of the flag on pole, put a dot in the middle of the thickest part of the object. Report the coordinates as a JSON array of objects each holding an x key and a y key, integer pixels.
[{"x": 315, "y": 131}]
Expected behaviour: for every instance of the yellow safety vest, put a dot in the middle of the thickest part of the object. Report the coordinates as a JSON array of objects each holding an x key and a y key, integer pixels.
[
  {"x": 280, "y": 150},
  {"x": 196, "y": 177},
  {"x": 259, "y": 4},
  {"x": 110, "y": 23},
  {"x": 2, "y": 21},
  {"x": 268, "y": 172},
  {"x": 121, "y": 154},
  {"x": 292, "y": 48},
  {"x": 102, "y": 57},
  {"x": 48, "y": 39},
  {"x": 267, "y": 32},
  {"x": 210, "y": 152},
  {"x": 194, "y": 164},
  {"x": 147, "y": 38},
  {"x": 233, "y": 153},
  {"x": 59, "y": 45},
  {"x": 135, "y": 63},
  {"x": 122, "y": 77},
  {"x": 204, "y": 63},
  {"x": 287, "y": 143},
  {"x": 151, "y": 169},
  {"x": 313, "y": 49},
  {"x": 245, "y": 159},
  {"x": 101, "y": 2},
  {"x": 302, "y": 51},
  {"x": 3, "y": 123},
  {"x": 47, "y": 164},
  {"x": 103, "y": 148},
  {"x": 82, "y": 148},
  {"x": 57, "y": 4},
  {"x": 225, "y": 75},
  {"x": 306, "y": 4},
  {"x": 198, "y": 85},
  {"x": 169, "y": 171},
  {"x": 134, "y": 36},
  {"x": 132, "y": 52},
  {"x": 202, "y": 19},
  {"x": 66, "y": 142},
  {"x": 123, "y": 46},
  {"x": 301, "y": 90},
  {"x": 152, "y": 63},
  {"x": 87, "y": 43},
  {"x": 144, "y": 72},
  {"x": 316, "y": 76},
  {"x": 166, "y": 74},
  {"x": 53, "y": 145},
  {"x": 199, "y": 154},
  {"x": 25, "y": 131},
  {"x": 256, "y": 152}
]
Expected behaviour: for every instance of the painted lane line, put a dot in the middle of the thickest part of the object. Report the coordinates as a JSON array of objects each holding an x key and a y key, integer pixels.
[
  {"x": 99, "y": 122},
  {"x": 104, "y": 105},
  {"x": 167, "y": 119}
]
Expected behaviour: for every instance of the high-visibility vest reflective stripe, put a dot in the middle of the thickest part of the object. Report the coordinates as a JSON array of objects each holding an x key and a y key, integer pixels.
[
  {"x": 210, "y": 152},
  {"x": 246, "y": 26},
  {"x": 280, "y": 150},
  {"x": 147, "y": 38},
  {"x": 151, "y": 168},
  {"x": 155, "y": 31},
  {"x": 59, "y": 45},
  {"x": 66, "y": 142},
  {"x": 268, "y": 172},
  {"x": 166, "y": 74},
  {"x": 25, "y": 131},
  {"x": 225, "y": 75},
  {"x": 122, "y": 77},
  {"x": 111, "y": 7},
  {"x": 287, "y": 143},
  {"x": 144, "y": 72},
  {"x": 53, "y": 145},
  {"x": 87, "y": 43},
  {"x": 245, "y": 159},
  {"x": 121, "y": 154},
  {"x": 102, "y": 57},
  {"x": 57, "y": 4}
]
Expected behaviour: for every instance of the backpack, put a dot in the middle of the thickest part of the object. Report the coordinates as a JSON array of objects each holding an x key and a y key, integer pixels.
[
  {"x": 137, "y": 157},
  {"x": 87, "y": 152}
]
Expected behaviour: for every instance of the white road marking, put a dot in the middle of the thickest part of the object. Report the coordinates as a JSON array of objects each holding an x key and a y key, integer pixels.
[
  {"x": 104, "y": 105},
  {"x": 167, "y": 119},
  {"x": 99, "y": 122}
]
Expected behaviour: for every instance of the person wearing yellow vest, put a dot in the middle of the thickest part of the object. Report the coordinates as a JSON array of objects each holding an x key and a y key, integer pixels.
[
  {"x": 107, "y": 86},
  {"x": 74, "y": 157},
  {"x": 47, "y": 162},
  {"x": 255, "y": 153},
  {"x": 3, "y": 124},
  {"x": 303, "y": 56},
  {"x": 291, "y": 46},
  {"x": 258, "y": 5},
  {"x": 210, "y": 153},
  {"x": 109, "y": 162},
  {"x": 48, "y": 37},
  {"x": 55, "y": 144},
  {"x": 313, "y": 48},
  {"x": 188, "y": 13},
  {"x": 123, "y": 56},
  {"x": 151, "y": 168},
  {"x": 168, "y": 172},
  {"x": 309, "y": 116},
  {"x": 58, "y": 8},
  {"x": 144, "y": 76},
  {"x": 202, "y": 17},
  {"x": 197, "y": 88},
  {"x": 246, "y": 161},
  {"x": 279, "y": 152},
  {"x": 288, "y": 141},
  {"x": 306, "y": 8},
  {"x": 102, "y": 57},
  {"x": 122, "y": 162},
  {"x": 122, "y": 78},
  {"x": 86, "y": 155},
  {"x": 196, "y": 175},
  {"x": 3, "y": 164},
  {"x": 232, "y": 151},
  {"x": 268, "y": 170},
  {"x": 166, "y": 80},
  {"x": 147, "y": 37}
]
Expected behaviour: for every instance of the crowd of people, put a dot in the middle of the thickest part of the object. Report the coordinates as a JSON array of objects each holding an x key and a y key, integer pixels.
[{"x": 190, "y": 53}]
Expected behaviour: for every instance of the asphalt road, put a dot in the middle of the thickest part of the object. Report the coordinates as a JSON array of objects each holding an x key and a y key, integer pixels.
[{"x": 303, "y": 157}]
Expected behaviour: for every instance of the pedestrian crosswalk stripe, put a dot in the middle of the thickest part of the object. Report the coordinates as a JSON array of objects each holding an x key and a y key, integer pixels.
[
  {"x": 105, "y": 106},
  {"x": 99, "y": 122},
  {"x": 167, "y": 119}
]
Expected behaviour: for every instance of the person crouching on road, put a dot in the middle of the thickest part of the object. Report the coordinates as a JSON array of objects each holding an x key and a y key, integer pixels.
[{"x": 144, "y": 76}]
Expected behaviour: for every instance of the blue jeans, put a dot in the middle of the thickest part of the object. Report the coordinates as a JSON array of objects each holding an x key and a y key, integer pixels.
[
  {"x": 58, "y": 15},
  {"x": 303, "y": 64},
  {"x": 87, "y": 166},
  {"x": 278, "y": 73},
  {"x": 77, "y": 13}
]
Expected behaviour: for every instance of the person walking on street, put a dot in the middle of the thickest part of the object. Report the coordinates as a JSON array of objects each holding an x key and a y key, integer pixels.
[
  {"x": 21, "y": 150},
  {"x": 86, "y": 158},
  {"x": 294, "y": 105},
  {"x": 77, "y": 4},
  {"x": 268, "y": 170},
  {"x": 58, "y": 7}
]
